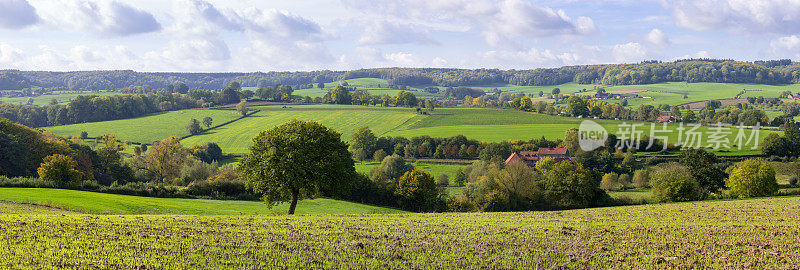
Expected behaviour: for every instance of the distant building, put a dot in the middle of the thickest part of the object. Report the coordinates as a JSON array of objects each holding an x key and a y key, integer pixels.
[
  {"x": 531, "y": 157},
  {"x": 666, "y": 119},
  {"x": 606, "y": 95}
]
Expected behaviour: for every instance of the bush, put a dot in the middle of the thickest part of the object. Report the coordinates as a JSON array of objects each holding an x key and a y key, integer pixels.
[
  {"x": 641, "y": 178},
  {"x": 609, "y": 182},
  {"x": 379, "y": 155},
  {"x": 417, "y": 191},
  {"x": 226, "y": 184},
  {"x": 673, "y": 182},
  {"x": 460, "y": 179},
  {"x": 793, "y": 180},
  {"x": 195, "y": 170},
  {"x": 60, "y": 171},
  {"x": 753, "y": 178},
  {"x": 624, "y": 181},
  {"x": 443, "y": 180},
  {"x": 392, "y": 167}
]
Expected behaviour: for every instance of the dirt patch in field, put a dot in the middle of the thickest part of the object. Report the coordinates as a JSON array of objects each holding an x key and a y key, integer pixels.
[{"x": 726, "y": 102}]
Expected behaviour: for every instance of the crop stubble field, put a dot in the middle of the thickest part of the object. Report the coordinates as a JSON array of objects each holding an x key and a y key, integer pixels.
[{"x": 758, "y": 233}]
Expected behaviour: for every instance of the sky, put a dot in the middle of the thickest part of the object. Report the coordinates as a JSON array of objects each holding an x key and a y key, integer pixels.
[{"x": 283, "y": 35}]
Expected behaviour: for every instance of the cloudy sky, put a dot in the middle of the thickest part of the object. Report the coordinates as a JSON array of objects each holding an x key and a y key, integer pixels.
[{"x": 282, "y": 35}]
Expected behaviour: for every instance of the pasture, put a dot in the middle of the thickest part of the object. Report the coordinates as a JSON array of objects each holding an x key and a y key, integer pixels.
[
  {"x": 237, "y": 137},
  {"x": 756, "y": 233},
  {"x": 60, "y": 97},
  {"x": 103, "y": 203},
  {"x": 149, "y": 128}
]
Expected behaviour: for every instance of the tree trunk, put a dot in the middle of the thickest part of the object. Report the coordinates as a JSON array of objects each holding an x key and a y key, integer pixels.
[{"x": 295, "y": 194}]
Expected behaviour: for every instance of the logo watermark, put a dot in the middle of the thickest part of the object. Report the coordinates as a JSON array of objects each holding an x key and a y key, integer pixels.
[{"x": 592, "y": 135}]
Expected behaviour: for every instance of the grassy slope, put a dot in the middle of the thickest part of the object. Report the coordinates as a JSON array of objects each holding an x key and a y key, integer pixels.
[
  {"x": 753, "y": 234},
  {"x": 61, "y": 98},
  {"x": 500, "y": 125},
  {"x": 147, "y": 128},
  {"x": 237, "y": 137},
  {"x": 102, "y": 203}
]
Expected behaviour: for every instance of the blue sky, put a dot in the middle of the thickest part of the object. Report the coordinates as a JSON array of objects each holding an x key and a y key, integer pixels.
[{"x": 222, "y": 36}]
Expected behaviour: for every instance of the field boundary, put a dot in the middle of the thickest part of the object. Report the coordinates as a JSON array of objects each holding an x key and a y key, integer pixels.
[{"x": 223, "y": 124}]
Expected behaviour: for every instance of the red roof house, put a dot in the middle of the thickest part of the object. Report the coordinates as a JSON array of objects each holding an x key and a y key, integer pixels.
[{"x": 531, "y": 157}]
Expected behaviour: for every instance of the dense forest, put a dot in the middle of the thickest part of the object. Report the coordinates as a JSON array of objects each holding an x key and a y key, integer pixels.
[{"x": 690, "y": 70}]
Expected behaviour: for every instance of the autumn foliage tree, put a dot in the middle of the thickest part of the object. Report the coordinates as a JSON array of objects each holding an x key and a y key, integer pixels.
[
  {"x": 298, "y": 158},
  {"x": 60, "y": 170},
  {"x": 753, "y": 178}
]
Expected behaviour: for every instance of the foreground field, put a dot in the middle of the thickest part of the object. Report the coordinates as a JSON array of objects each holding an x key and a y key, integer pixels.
[
  {"x": 755, "y": 234},
  {"x": 101, "y": 203}
]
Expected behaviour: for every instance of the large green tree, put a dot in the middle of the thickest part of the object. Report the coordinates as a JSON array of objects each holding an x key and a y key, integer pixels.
[
  {"x": 701, "y": 164},
  {"x": 753, "y": 178},
  {"x": 298, "y": 158},
  {"x": 363, "y": 138}
]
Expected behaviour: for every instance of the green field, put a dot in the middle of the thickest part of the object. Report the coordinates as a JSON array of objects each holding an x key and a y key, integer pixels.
[
  {"x": 374, "y": 86},
  {"x": 149, "y": 128},
  {"x": 59, "y": 97},
  {"x": 237, "y": 137},
  {"x": 752, "y": 234},
  {"x": 102, "y": 203}
]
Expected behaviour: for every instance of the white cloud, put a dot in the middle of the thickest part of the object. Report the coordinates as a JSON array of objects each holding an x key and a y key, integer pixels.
[
  {"x": 103, "y": 18},
  {"x": 629, "y": 52},
  {"x": 529, "y": 58},
  {"x": 500, "y": 22},
  {"x": 15, "y": 14},
  {"x": 657, "y": 37},
  {"x": 9, "y": 54},
  {"x": 788, "y": 46},
  {"x": 190, "y": 54},
  {"x": 390, "y": 33},
  {"x": 772, "y": 16}
]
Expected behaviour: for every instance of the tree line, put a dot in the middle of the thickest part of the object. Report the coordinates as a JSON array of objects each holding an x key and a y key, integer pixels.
[{"x": 688, "y": 70}]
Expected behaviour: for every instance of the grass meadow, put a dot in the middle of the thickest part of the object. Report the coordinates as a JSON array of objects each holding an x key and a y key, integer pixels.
[
  {"x": 435, "y": 169},
  {"x": 237, "y": 137},
  {"x": 102, "y": 203},
  {"x": 59, "y": 97},
  {"x": 146, "y": 129},
  {"x": 753, "y": 234}
]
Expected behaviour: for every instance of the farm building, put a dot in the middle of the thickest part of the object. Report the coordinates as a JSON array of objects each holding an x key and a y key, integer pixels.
[
  {"x": 667, "y": 119},
  {"x": 531, "y": 157},
  {"x": 606, "y": 95}
]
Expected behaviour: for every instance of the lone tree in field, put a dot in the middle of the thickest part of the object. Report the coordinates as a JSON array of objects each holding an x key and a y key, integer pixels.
[
  {"x": 242, "y": 108},
  {"x": 298, "y": 158},
  {"x": 193, "y": 127},
  {"x": 208, "y": 121}
]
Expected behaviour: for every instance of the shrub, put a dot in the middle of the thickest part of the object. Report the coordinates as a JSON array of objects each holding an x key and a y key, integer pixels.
[
  {"x": 392, "y": 167},
  {"x": 753, "y": 178},
  {"x": 460, "y": 179},
  {"x": 360, "y": 154},
  {"x": 60, "y": 171},
  {"x": 195, "y": 170},
  {"x": 793, "y": 180},
  {"x": 609, "y": 182},
  {"x": 624, "y": 181},
  {"x": 673, "y": 182},
  {"x": 443, "y": 180},
  {"x": 417, "y": 191},
  {"x": 641, "y": 178},
  {"x": 379, "y": 155},
  {"x": 225, "y": 184}
]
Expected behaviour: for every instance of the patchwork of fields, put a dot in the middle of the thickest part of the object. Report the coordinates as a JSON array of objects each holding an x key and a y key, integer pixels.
[
  {"x": 483, "y": 124},
  {"x": 756, "y": 234}
]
